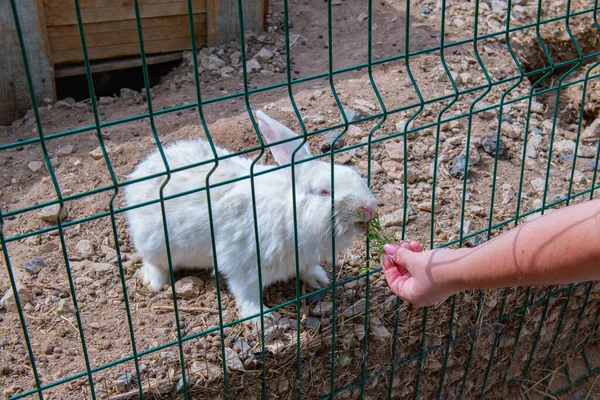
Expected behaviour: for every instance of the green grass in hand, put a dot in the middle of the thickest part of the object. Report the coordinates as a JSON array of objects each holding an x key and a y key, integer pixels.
[{"x": 377, "y": 239}]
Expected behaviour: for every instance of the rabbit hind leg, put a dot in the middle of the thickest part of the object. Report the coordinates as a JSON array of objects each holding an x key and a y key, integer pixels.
[{"x": 153, "y": 276}]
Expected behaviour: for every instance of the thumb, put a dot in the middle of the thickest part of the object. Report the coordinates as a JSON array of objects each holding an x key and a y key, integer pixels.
[{"x": 400, "y": 255}]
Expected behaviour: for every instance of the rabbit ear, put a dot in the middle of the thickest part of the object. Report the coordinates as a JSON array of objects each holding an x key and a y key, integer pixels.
[{"x": 274, "y": 131}]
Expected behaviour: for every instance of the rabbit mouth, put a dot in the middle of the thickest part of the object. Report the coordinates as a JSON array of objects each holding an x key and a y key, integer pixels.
[{"x": 362, "y": 227}]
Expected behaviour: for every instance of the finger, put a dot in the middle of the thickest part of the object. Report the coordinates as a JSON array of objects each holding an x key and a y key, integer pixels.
[
  {"x": 402, "y": 256},
  {"x": 415, "y": 246},
  {"x": 387, "y": 263},
  {"x": 402, "y": 287}
]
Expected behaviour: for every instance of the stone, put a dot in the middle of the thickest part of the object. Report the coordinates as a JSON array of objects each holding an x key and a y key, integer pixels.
[
  {"x": 101, "y": 268},
  {"x": 127, "y": 93},
  {"x": 539, "y": 185},
  {"x": 488, "y": 144},
  {"x": 413, "y": 175},
  {"x": 579, "y": 177},
  {"x": 316, "y": 94},
  {"x": 64, "y": 104},
  {"x": 35, "y": 165},
  {"x": 592, "y": 131},
  {"x": 65, "y": 151},
  {"x": 323, "y": 308},
  {"x": 226, "y": 72},
  {"x": 85, "y": 248},
  {"x": 9, "y": 302},
  {"x": 586, "y": 151},
  {"x": 344, "y": 158},
  {"x": 233, "y": 359},
  {"x": 189, "y": 287},
  {"x": 377, "y": 329},
  {"x": 109, "y": 252},
  {"x": 457, "y": 167},
  {"x": 50, "y": 213},
  {"x": 351, "y": 115},
  {"x": 393, "y": 219},
  {"x": 509, "y": 131},
  {"x": 97, "y": 154},
  {"x": 211, "y": 62},
  {"x": 264, "y": 55},
  {"x": 508, "y": 193},
  {"x": 538, "y": 142},
  {"x": 84, "y": 281},
  {"x": 122, "y": 382},
  {"x": 330, "y": 137},
  {"x": 253, "y": 66},
  {"x": 459, "y": 23},
  {"x": 487, "y": 114},
  {"x": 400, "y": 125},
  {"x": 355, "y": 132},
  {"x": 531, "y": 152},
  {"x": 359, "y": 331},
  {"x": 235, "y": 58},
  {"x": 564, "y": 146},
  {"x": 312, "y": 323},
  {"x": 395, "y": 151},
  {"x": 365, "y": 104},
  {"x": 357, "y": 308},
  {"x": 535, "y": 130},
  {"x": 276, "y": 347},
  {"x": 35, "y": 265},
  {"x": 242, "y": 346},
  {"x": 65, "y": 307},
  {"x": 362, "y": 16}
]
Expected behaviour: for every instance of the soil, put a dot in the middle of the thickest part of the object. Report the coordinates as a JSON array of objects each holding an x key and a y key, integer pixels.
[{"x": 85, "y": 180}]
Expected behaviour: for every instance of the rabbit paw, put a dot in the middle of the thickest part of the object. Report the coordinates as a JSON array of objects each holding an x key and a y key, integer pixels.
[
  {"x": 270, "y": 318},
  {"x": 315, "y": 277},
  {"x": 153, "y": 277}
]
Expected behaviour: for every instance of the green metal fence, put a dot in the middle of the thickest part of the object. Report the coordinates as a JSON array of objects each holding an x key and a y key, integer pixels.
[{"x": 366, "y": 381}]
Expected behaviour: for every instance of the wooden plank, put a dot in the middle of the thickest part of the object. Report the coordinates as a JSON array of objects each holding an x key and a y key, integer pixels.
[
  {"x": 223, "y": 22},
  {"x": 124, "y": 10},
  {"x": 113, "y": 65},
  {"x": 111, "y": 26},
  {"x": 124, "y": 50},
  {"x": 14, "y": 91},
  {"x": 176, "y": 27}
]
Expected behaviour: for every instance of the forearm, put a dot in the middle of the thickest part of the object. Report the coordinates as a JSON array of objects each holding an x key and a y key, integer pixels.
[{"x": 559, "y": 248}]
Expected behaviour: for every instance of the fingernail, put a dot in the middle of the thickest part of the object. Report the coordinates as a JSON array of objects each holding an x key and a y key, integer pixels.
[{"x": 390, "y": 249}]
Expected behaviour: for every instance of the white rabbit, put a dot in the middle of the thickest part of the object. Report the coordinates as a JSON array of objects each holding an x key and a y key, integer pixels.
[{"x": 188, "y": 224}]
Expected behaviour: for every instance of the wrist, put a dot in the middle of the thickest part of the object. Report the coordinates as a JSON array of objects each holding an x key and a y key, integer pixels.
[{"x": 454, "y": 275}]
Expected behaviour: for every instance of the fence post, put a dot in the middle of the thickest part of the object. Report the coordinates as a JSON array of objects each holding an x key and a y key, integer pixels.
[{"x": 14, "y": 96}]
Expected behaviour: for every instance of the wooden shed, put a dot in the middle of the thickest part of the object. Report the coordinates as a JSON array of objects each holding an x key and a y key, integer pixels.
[{"x": 54, "y": 47}]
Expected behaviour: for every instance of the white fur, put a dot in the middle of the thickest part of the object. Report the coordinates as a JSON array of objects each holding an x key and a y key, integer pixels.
[{"x": 188, "y": 221}]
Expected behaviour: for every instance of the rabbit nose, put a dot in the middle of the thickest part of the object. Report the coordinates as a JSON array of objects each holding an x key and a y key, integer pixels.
[{"x": 369, "y": 212}]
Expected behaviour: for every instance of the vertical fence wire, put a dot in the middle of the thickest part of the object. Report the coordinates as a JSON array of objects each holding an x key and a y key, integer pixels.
[
  {"x": 253, "y": 193},
  {"x": 546, "y": 185},
  {"x": 333, "y": 216},
  {"x": 161, "y": 194},
  {"x": 369, "y": 183},
  {"x": 407, "y": 124},
  {"x": 114, "y": 195},
  {"x": 208, "y": 196},
  {"x": 61, "y": 207},
  {"x": 433, "y": 208},
  {"x": 548, "y": 73}
]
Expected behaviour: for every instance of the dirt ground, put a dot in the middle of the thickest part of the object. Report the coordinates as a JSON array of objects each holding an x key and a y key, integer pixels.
[{"x": 90, "y": 244}]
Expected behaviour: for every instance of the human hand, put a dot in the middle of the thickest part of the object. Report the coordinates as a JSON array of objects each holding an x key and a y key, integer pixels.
[{"x": 421, "y": 278}]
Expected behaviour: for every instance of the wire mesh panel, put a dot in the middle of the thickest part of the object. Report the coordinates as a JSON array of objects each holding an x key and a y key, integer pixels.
[{"x": 462, "y": 119}]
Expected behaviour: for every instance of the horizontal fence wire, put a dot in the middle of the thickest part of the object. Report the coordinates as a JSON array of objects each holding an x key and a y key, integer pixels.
[{"x": 552, "y": 79}]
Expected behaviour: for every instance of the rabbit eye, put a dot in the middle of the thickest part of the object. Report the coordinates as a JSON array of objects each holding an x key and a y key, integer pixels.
[{"x": 325, "y": 192}]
